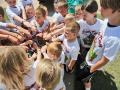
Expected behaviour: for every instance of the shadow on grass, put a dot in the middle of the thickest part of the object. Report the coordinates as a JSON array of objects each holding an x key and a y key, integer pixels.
[
  {"x": 103, "y": 81},
  {"x": 100, "y": 81}
]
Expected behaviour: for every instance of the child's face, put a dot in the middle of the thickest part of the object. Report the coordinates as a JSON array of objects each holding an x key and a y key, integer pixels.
[
  {"x": 78, "y": 15},
  {"x": 88, "y": 16},
  {"x": 69, "y": 35},
  {"x": 106, "y": 12},
  {"x": 11, "y": 2},
  {"x": 62, "y": 10},
  {"x": 39, "y": 18},
  {"x": 1, "y": 17},
  {"x": 51, "y": 56},
  {"x": 29, "y": 13}
]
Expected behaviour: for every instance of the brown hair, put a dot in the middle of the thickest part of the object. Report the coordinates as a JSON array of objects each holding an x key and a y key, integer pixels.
[
  {"x": 73, "y": 27},
  {"x": 2, "y": 11},
  {"x": 113, "y": 4},
  {"x": 91, "y": 6},
  {"x": 41, "y": 11}
]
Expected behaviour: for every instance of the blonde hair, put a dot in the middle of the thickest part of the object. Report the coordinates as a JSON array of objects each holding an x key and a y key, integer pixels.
[
  {"x": 62, "y": 4},
  {"x": 77, "y": 8},
  {"x": 73, "y": 27},
  {"x": 55, "y": 48},
  {"x": 48, "y": 74},
  {"x": 69, "y": 18},
  {"x": 12, "y": 66},
  {"x": 41, "y": 10}
]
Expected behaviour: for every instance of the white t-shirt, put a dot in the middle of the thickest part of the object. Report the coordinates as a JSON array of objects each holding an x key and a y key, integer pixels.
[
  {"x": 31, "y": 19},
  {"x": 41, "y": 28},
  {"x": 23, "y": 3},
  {"x": 2, "y": 86},
  {"x": 87, "y": 32},
  {"x": 58, "y": 18},
  {"x": 14, "y": 11},
  {"x": 29, "y": 78},
  {"x": 71, "y": 49},
  {"x": 3, "y": 26},
  {"x": 106, "y": 43}
]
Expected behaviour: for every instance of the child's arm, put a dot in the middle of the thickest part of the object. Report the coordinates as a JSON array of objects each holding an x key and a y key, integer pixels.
[
  {"x": 71, "y": 64},
  {"x": 11, "y": 38},
  {"x": 43, "y": 51},
  {"x": 19, "y": 19},
  {"x": 12, "y": 34},
  {"x": 20, "y": 29},
  {"x": 39, "y": 54},
  {"x": 99, "y": 64},
  {"x": 57, "y": 27},
  {"x": 54, "y": 33},
  {"x": 111, "y": 49}
]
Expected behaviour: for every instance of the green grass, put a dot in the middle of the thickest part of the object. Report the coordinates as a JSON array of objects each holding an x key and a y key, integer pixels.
[{"x": 114, "y": 69}]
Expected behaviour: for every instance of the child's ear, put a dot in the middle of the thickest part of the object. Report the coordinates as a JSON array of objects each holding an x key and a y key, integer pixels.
[{"x": 119, "y": 10}]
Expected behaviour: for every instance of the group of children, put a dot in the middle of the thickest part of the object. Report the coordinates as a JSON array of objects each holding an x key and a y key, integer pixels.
[{"x": 56, "y": 44}]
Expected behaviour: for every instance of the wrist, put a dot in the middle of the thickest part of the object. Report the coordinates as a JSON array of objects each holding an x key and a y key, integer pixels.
[
  {"x": 8, "y": 36},
  {"x": 23, "y": 22}
]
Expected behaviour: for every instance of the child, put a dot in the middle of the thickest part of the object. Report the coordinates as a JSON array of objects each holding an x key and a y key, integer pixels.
[
  {"x": 17, "y": 15},
  {"x": 90, "y": 26},
  {"x": 11, "y": 27},
  {"x": 59, "y": 29},
  {"x": 41, "y": 23},
  {"x": 47, "y": 74},
  {"x": 12, "y": 67},
  {"x": 62, "y": 11},
  {"x": 54, "y": 52},
  {"x": 106, "y": 44},
  {"x": 78, "y": 13},
  {"x": 29, "y": 13},
  {"x": 70, "y": 43}
]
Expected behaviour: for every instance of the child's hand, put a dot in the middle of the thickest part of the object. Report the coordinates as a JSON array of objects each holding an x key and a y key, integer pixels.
[
  {"x": 43, "y": 49},
  {"x": 48, "y": 36},
  {"x": 13, "y": 39},
  {"x": 45, "y": 34},
  {"x": 70, "y": 67},
  {"x": 39, "y": 35},
  {"x": 20, "y": 38}
]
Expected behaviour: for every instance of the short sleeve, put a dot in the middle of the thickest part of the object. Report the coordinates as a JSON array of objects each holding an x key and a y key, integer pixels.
[
  {"x": 10, "y": 13},
  {"x": 112, "y": 48},
  {"x": 61, "y": 37},
  {"x": 3, "y": 24},
  {"x": 2, "y": 87}
]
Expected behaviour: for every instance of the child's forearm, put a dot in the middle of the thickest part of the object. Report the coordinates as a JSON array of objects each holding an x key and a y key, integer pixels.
[
  {"x": 19, "y": 19},
  {"x": 99, "y": 64},
  {"x": 71, "y": 64},
  {"x": 2, "y": 36},
  {"x": 57, "y": 27},
  {"x": 58, "y": 31}
]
